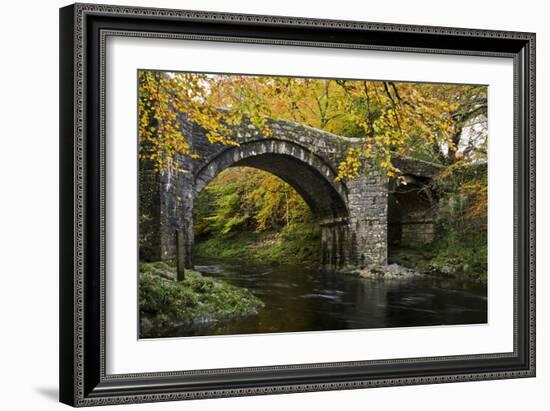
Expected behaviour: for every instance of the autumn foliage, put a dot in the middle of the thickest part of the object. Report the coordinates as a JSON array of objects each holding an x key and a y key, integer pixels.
[{"x": 389, "y": 117}]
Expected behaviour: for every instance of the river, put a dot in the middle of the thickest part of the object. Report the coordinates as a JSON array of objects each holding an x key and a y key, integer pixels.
[{"x": 299, "y": 298}]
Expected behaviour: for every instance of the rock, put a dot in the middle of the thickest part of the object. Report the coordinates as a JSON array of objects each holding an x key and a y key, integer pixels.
[{"x": 391, "y": 271}]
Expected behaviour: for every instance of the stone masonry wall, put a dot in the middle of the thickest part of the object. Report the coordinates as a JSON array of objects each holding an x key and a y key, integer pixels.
[
  {"x": 411, "y": 215},
  {"x": 368, "y": 199}
]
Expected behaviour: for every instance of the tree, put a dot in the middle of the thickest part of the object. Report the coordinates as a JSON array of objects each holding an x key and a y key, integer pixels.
[
  {"x": 243, "y": 198},
  {"x": 163, "y": 96}
]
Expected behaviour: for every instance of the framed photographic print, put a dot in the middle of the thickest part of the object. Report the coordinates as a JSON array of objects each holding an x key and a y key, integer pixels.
[{"x": 261, "y": 204}]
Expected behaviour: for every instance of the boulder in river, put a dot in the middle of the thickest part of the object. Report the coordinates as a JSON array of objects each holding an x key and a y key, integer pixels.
[{"x": 390, "y": 271}]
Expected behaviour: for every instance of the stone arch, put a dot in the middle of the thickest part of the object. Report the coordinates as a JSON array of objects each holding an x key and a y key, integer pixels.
[
  {"x": 352, "y": 215},
  {"x": 307, "y": 173}
]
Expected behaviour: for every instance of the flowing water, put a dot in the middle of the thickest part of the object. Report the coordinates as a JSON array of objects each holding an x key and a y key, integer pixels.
[{"x": 299, "y": 298}]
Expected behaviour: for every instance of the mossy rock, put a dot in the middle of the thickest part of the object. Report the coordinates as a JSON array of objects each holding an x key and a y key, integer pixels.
[{"x": 163, "y": 301}]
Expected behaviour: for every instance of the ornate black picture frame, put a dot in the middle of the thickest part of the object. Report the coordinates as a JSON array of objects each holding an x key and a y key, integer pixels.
[{"x": 83, "y": 30}]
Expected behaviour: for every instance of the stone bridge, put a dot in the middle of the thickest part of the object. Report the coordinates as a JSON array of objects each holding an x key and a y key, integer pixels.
[{"x": 354, "y": 216}]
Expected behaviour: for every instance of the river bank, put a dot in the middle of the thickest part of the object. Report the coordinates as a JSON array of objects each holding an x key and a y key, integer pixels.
[
  {"x": 443, "y": 262},
  {"x": 297, "y": 246},
  {"x": 165, "y": 302},
  {"x": 403, "y": 262}
]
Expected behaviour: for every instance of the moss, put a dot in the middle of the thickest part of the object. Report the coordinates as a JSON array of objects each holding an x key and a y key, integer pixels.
[
  {"x": 164, "y": 301},
  {"x": 445, "y": 260},
  {"x": 235, "y": 246},
  {"x": 299, "y": 244}
]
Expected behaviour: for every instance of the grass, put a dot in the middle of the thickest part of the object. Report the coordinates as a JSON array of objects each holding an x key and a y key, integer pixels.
[
  {"x": 299, "y": 245},
  {"x": 164, "y": 301},
  {"x": 445, "y": 257},
  {"x": 252, "y": 247}
]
